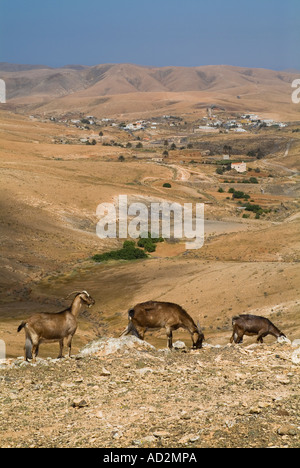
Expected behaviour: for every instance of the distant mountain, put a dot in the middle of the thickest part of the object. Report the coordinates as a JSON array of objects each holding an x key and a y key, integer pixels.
[
  {"x": 86, "y": 87},
  {"x": 14, "y": 67}
]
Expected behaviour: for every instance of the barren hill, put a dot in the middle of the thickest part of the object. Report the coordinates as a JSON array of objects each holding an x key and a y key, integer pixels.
[{"x": 150, "y": 89}]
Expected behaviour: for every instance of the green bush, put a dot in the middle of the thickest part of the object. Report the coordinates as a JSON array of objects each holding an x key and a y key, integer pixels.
[
  {"x": 128, "y": 252},
  {"x": 167, "y": 185},
  {"x": 254, "y": 208},
  {"x": 149, "y": 243},
  {"x": 240, "y": 194}
]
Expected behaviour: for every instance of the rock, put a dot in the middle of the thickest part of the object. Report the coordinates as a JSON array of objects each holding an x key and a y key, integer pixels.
[
  {"x": 78, "y": 380},
  {"x": 117, "y": 434},
  {"x": 255, "y": 410},
  {"x": 296, "y": 343},
  {"x": 179, "y": 345},
  {"x": 283, "y": 379},
  {"x": 79, "y": 403},
  {"x": 106, "y": 346},
  {"x": 161, "y": 434},
  {"x": 149, "y": 440},
  {"x": 189, "y": 438},
  {"x": 283, "y": 340},
  {"x": 105, "y": 372},
  {"x": 287, "y": 430},
  {"x": 296, "y": 356},
  {"x": 144, "y": 370}
]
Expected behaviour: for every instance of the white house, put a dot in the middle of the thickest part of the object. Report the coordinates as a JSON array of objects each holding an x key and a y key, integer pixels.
[{"x": 239, "y": 167}]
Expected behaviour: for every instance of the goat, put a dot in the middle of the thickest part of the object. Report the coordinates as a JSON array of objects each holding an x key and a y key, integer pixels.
[
  {"x": 46, "y": 327},
  {"x": 253, "y": 325},
  {"x": 150, "y": 315}
]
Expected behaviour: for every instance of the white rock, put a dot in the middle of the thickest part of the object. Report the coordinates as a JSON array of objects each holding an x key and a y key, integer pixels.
[
  {"x": 106, "y": 346},
  {"x": 296, "y": 356},
  {"x": 283, "y": 339},
  {"x": 179, "y": 345}
]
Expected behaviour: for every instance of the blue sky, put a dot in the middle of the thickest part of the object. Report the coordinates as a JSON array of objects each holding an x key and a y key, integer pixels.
[{"x": 253, "y": 33}]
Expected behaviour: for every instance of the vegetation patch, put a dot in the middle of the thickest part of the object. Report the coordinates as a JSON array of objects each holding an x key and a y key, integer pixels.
[{"x": 129, "y": 251}]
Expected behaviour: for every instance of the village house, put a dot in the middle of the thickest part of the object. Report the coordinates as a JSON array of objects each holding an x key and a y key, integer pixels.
[{"x": 239, "y": 167}]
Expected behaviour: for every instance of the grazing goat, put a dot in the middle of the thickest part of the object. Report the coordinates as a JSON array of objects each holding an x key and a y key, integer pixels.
[
  {"x": 253, "y": 325},
  {"x": 44, "y": 327},
  {"x": 150, "y": 315}
]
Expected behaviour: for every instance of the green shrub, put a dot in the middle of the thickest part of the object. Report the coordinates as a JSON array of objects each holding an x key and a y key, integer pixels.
[
  {"x": 240, "y": 194},
  {"x": 167, "y": 185},
  {"x": 149, "y": 243},
  {"x": 128, "y": 252},
  {"x": 254, "y": 208}
]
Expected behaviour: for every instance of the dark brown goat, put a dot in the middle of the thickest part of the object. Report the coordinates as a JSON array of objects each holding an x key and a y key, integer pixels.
[
  {"x": 253, "y": 325},
  {"x": 151, "y": 315},
  {"x": 45, "y": 328}
]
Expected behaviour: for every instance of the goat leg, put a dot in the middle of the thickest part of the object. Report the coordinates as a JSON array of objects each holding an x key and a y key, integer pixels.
[{"x": 61, "y": 346}]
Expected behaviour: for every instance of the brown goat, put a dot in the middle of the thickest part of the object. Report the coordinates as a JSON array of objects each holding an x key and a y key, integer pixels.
[
  {"x": 253, "y": 325},
  {"x": 46, "y": 328},
  {"x": 151, "y": 315}
]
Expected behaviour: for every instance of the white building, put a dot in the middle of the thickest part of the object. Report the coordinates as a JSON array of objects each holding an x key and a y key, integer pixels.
[{"x": 239, "y": 167}]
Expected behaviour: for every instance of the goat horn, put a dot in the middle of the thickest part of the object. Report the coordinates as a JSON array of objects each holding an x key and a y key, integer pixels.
[
  {"x": 71, "y": 294},
  {"x": 85, "y": 292}
]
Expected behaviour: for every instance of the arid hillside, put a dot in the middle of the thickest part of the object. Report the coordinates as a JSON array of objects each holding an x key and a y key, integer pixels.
[
  {"x": 49, "y": 194},
  {"x": 54, "y": 172},
  {"x": 104, "y": 89}
]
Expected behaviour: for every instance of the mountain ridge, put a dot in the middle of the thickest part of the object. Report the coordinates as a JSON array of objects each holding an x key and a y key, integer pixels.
[{"x": 80, "y": 85}]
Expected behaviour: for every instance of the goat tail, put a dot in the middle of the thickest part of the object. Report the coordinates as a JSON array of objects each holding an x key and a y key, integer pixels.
[
  {"x": 22, "y": 325},
  {"x": 131, "y": 330},
  {"x": 131, "y": 314},
  {"x": 234, "y": 319}
]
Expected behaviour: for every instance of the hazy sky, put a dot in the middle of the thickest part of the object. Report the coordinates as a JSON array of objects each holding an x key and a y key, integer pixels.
[{"x": 252, "y": 33}]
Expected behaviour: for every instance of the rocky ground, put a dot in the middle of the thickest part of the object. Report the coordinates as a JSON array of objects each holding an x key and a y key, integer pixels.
[{"x": 121, "y": 393}]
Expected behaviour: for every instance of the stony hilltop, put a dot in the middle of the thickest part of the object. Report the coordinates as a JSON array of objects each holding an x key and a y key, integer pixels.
[{"x": 126, "y": 393}]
